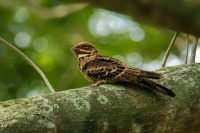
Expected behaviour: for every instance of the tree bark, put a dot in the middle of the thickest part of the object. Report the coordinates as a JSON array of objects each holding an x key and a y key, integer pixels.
[
  {"x": 111, "y": 108},
  {"x": 178, "y": 15}
]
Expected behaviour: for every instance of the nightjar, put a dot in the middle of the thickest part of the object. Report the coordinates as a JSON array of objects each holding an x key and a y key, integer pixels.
[{"x": 103, "y": 69}]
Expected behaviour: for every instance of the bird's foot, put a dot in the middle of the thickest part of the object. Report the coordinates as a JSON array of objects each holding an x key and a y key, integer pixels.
[{"x": 97, "y": 83}]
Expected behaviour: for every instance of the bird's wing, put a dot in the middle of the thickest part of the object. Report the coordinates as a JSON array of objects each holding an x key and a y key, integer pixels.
[
  {"x": 103, "y": 68},
  {"x": 110, "y": 69},
  {"x": 149, "y": 74}
]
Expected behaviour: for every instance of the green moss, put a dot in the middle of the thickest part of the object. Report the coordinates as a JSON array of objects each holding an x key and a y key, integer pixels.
[
  {"x": 102, "y": 99},
  {"x": 111, "y": 87},
  {"x": 80, "y": 103},
  {"x": 56, "y": 106},
  {"x": 26, "y": 106}
]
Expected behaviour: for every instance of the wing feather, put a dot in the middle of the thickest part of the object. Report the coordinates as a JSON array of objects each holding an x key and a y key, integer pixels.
[
  {"x": 102, "y": 68},
  {"x": 149, "y": 74},
  {"x": 110, "y": 69}
]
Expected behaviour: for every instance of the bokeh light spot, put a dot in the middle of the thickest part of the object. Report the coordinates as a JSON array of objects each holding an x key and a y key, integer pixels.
[
  {"x": 151, "y": 66},
  {"x": 119, "y": 57},
  {"x": 40, "y": 44},
  {"x": 21, "y": 15},
  {"x": 104, "y": 23},
  {"x": 98, "y": 26},
  {"x": 22, "y": 39},
  {"x": 134, "y": 59},
  {"x": 173, "y": 60},
  {"x": 32, "y": 93},
  {"x": 136, "y": 34}
]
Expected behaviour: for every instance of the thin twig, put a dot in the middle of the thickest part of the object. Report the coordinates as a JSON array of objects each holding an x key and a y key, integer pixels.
[
  {"x": 30, "y": 62},
  {"x": 187, "y": 47},
  {"x": 194, "y": 49},
  {"x": 169, "y": 49}
]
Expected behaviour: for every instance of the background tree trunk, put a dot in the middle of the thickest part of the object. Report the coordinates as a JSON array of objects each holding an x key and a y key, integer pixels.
[
  {"x": 111, "y": 108},
  {"x": 179, "y": 15}
]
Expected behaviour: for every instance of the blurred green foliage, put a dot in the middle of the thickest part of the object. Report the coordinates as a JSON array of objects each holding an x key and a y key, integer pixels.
[{"x": 46, "y": 30}]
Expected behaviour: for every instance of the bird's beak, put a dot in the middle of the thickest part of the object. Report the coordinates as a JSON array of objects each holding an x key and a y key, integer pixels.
[{"x": 74, "y": 50}]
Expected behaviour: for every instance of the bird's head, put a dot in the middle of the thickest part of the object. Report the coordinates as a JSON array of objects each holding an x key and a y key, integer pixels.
[{"x": 83, "y": 50}]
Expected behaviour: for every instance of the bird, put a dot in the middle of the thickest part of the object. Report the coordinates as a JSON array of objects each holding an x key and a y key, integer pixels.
[{"x": 102, "y": 69}]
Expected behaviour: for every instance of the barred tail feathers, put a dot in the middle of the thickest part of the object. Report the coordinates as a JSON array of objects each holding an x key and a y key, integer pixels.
[{"x": 157, "y": 87}]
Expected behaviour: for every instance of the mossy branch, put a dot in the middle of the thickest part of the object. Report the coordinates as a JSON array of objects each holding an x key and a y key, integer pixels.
[{"x": 111, "y": 108}]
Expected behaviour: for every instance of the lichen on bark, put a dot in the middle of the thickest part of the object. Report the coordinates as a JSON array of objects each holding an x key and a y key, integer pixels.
[{"x": 111, "y": 108}]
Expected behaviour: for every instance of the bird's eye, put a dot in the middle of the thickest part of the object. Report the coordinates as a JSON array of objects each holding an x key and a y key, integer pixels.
[{"x": 86, "y": 47}]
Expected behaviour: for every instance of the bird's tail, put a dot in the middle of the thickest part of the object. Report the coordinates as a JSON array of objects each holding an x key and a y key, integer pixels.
[{"x": 152, "y": 85}]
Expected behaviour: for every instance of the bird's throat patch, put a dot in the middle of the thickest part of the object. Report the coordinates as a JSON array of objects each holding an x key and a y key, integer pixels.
[{"x": 82, "y": 55}]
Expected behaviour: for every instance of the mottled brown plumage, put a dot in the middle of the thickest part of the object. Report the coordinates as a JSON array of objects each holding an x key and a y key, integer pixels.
[{"x": 103, "y": 69}]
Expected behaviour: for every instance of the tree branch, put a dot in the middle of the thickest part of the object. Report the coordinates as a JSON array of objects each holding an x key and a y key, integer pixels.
[
  {"x": 169, "y": 49},
  {"x": 111, "y": 108},
  {"x": 30, "y": 62}
]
